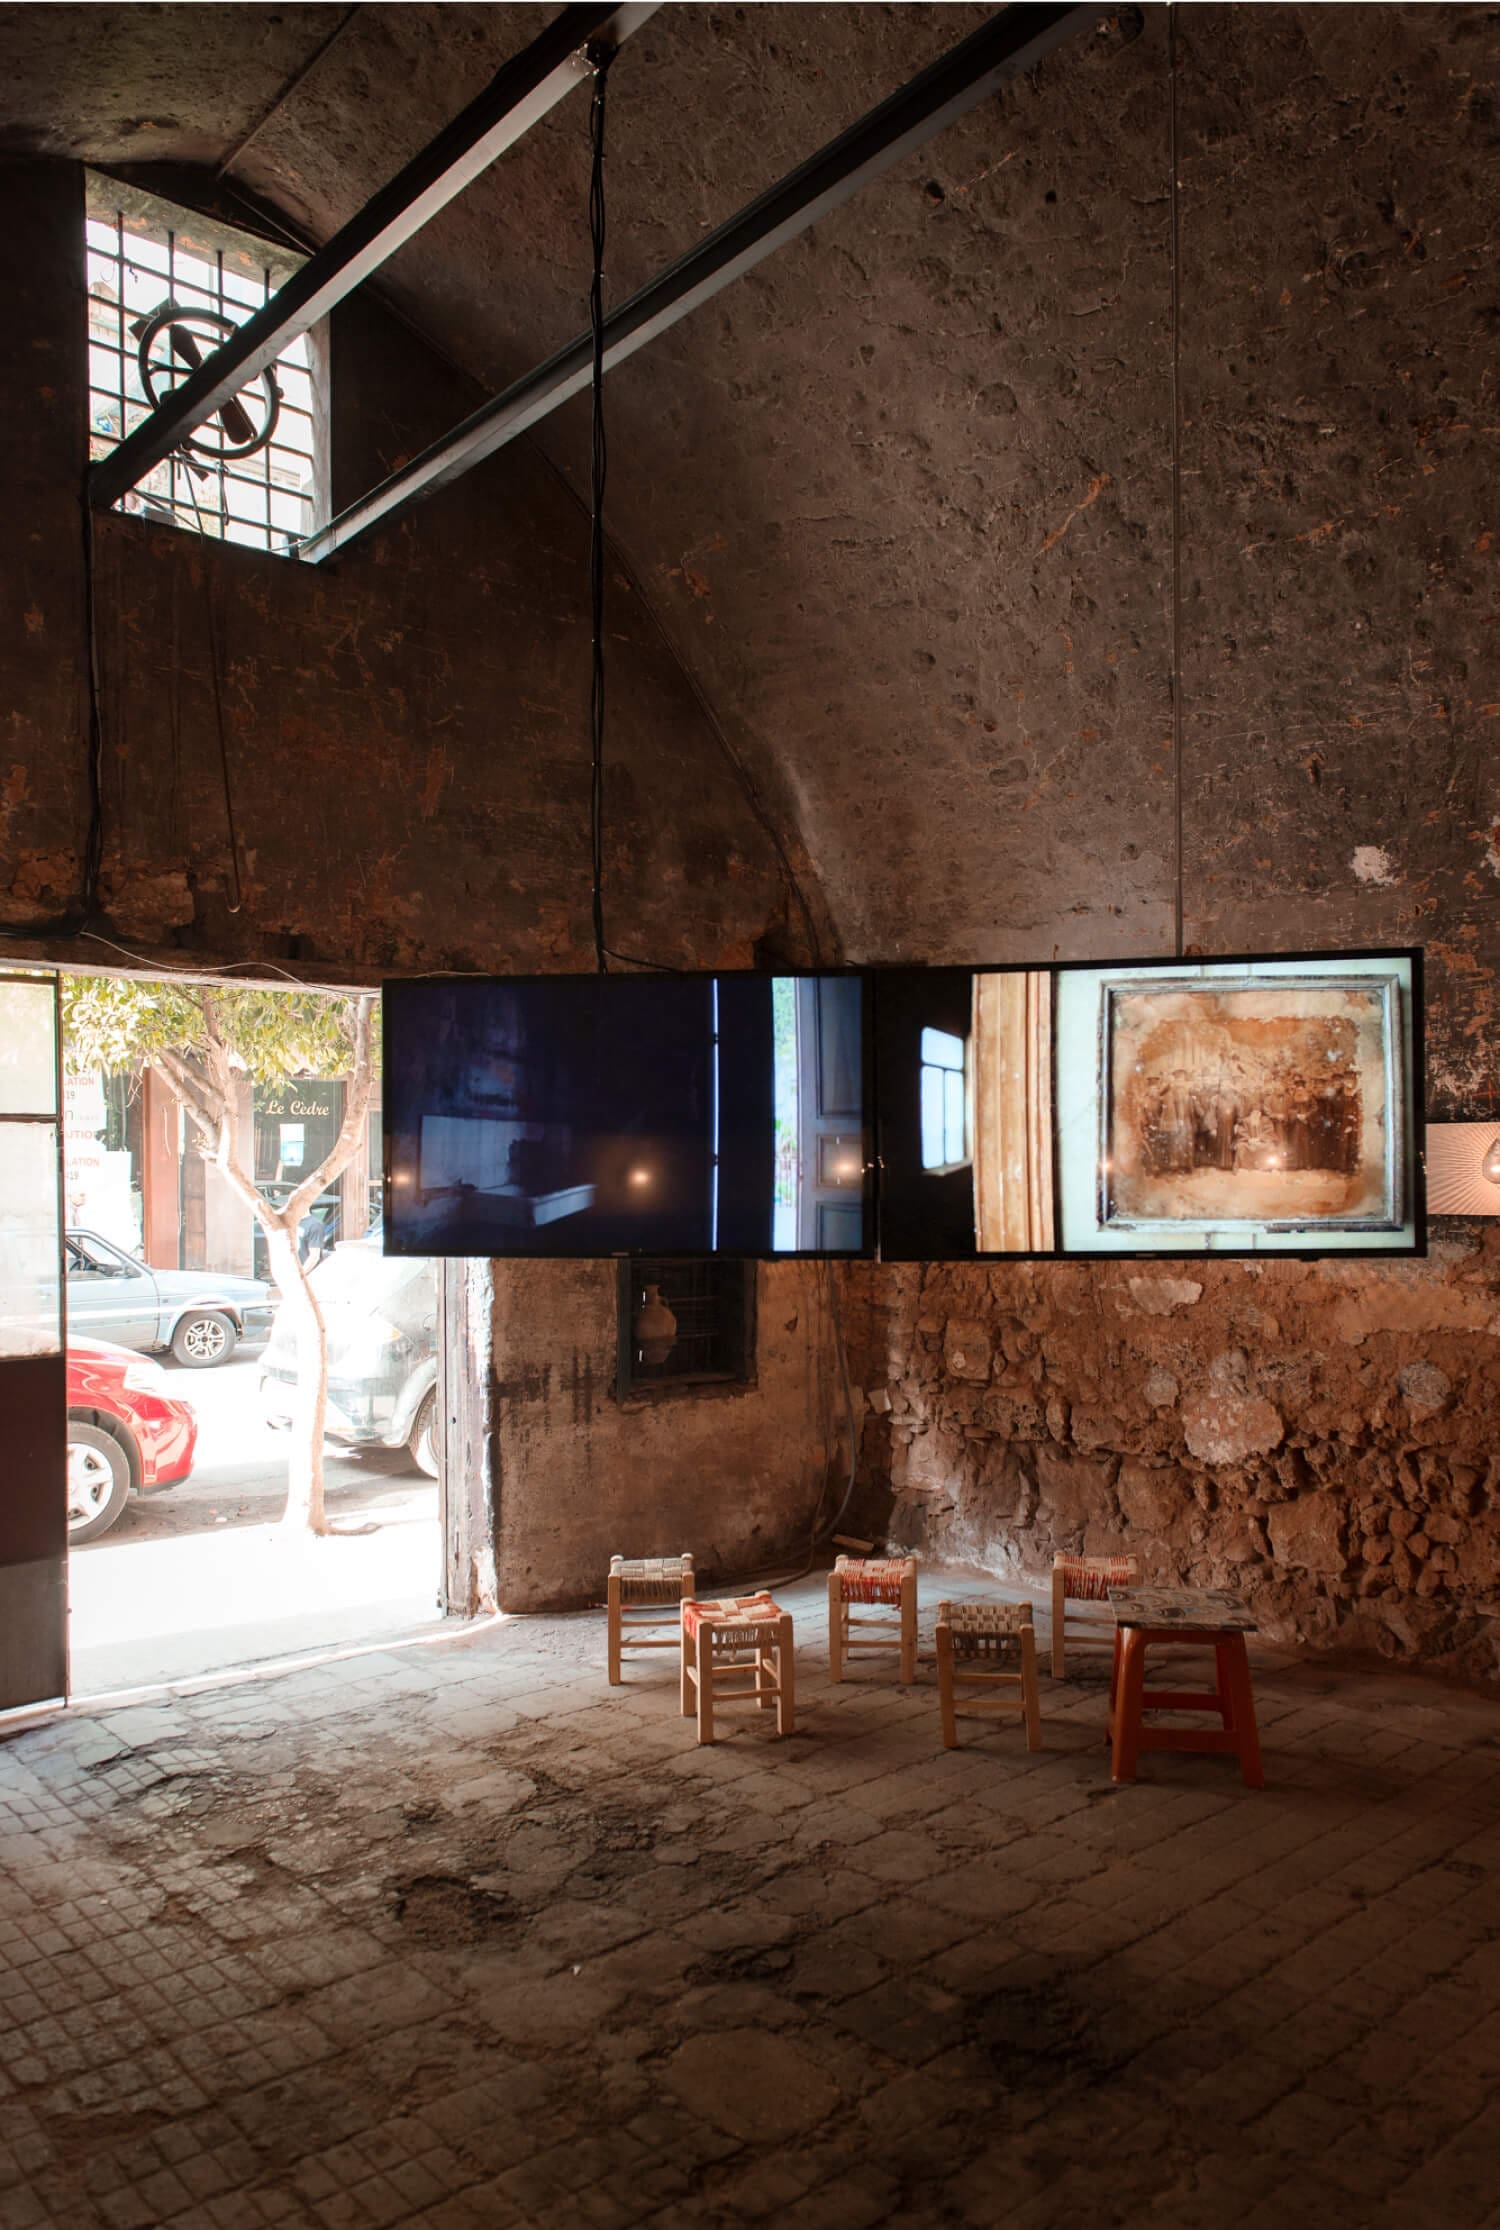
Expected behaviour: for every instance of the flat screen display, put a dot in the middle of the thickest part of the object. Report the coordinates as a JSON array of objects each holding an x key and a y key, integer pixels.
[
  {"x": 1239, "y": 1106},
  {"x": 598, "y": 1115}
]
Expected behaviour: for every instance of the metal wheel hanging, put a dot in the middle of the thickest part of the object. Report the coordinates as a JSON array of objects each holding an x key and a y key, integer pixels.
[{"x": 246, "y": 422}]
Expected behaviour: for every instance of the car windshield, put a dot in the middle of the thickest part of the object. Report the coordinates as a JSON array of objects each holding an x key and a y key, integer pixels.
[{"x": 357, "y": 1272}]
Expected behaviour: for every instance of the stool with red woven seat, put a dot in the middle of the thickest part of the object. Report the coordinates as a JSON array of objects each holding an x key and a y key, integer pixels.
[
  {"x": 973, "y": 1642},
  {"x": 874, "y": 1579},
  {"x": 1086, "y": 1579},
  {"x": 645, "y": 1595},
  {"x": 738, "y": 1650},
  {"x": 1202, "y": 1618}
]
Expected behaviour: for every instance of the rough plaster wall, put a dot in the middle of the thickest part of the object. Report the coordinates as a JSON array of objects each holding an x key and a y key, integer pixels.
[
  {"x": 43, "y": 798},
  {"x": 1341, "y": 201},
  {"x": 405, "y": 730},
  {"x": 1320, "y": 1440},
  {"x": 732, "y": 1475}
]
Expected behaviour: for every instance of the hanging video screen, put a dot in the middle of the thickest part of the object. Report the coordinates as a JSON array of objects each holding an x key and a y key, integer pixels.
[
  {"x": 584, "y": 1116},
  {"x": 1186, "y": 1107},
  {"x": 1240, "y": 1106},
  {"x": 963, "y": 1112}
]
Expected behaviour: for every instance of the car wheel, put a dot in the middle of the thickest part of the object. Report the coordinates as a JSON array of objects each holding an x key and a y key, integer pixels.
[
  {"x": 423, "y": 1441},
  {"x": 98, "y": 1482},
  {"x": 204, "y": 1339}
]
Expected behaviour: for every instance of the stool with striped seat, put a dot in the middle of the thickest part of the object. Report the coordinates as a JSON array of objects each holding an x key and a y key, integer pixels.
[
  {"x": 876, "y": 1579},
  {"x": 973, "y": 1640},
  {"x": 722, "y": 1644},
  {"x": 645, "y": 1599},
  {"x": 1086, "y": 1579}
]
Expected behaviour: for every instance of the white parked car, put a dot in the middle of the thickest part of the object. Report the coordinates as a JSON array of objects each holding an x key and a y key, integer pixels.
[{"x": 201, "y": 1316}]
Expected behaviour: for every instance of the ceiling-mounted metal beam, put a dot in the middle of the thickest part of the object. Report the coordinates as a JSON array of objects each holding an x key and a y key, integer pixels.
[
  {"x": 1013, "y": 40},
  {"x": 519, "y": 94}
]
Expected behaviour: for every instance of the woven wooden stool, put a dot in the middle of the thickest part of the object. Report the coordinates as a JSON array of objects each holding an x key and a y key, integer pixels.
[
  {"x": 1086, "y": 1579},
  {"x": 876, "y": 1579},
  {"x": 738, "y": 1651},
  {"x": 971, "y": 1640},
  {"x": 645, "y": 1599},
  {"x": 1201, "y": 1617}
]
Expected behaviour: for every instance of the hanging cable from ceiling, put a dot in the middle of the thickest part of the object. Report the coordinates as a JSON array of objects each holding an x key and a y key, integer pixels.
[
  {"x": 601, "y": 57},
  {"x": 1174, "y": 253}
]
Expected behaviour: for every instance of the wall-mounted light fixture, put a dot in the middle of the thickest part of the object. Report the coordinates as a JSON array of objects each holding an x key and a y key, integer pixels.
[{"x": 1463, "y": 1169}]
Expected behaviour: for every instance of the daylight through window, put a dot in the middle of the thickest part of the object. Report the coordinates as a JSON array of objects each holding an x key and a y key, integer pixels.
[
  {"x": 945, "y": 1126},
  {"x": 164, "y": 289}
]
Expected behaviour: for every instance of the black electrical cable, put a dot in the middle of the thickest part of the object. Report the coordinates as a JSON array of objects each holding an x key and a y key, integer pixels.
[
  {"x": 1174, "y": 255},
  {"x": 601, "y": 59}
]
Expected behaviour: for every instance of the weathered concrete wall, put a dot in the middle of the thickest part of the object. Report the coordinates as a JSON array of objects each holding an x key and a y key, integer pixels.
[
  {"x": 731, "y": 1474},
  {"x": 1318, "y": 1436},
  {"x": 406, "y": 729}
]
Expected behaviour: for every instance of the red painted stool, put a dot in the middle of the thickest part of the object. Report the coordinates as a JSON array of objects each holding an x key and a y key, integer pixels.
[{"x": 1207, "y": 1618}]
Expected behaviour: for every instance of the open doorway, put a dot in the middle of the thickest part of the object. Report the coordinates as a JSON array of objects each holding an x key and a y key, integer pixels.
[{"x": 221, "y": 1253}]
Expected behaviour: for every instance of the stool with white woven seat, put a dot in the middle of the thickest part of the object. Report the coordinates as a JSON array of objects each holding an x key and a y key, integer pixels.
[
  {"x": 974, "y": 1645},
  {"x": 645, "y": 1604},
  {"x": 738, "y": 1650},
  {"x": 1086, "y": 1579},
  {"x": 876, "y": 1579}
]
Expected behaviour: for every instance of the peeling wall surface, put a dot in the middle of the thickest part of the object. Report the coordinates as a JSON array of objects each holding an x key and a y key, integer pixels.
[
  {"x": 1320, "y": 1439},
  {"x": 898, "y": 532},
  {"x": 406, "y": 732},
  {"x": 732, "y": 1475}
]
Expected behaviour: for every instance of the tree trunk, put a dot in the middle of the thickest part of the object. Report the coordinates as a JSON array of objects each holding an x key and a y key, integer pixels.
[
  {"x": 210, "y": 1102},
  {"x": 304, "y": 1480}
]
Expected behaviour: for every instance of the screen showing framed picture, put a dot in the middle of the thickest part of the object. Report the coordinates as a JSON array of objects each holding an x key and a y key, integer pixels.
[{"x": 1240, "y": 1106}]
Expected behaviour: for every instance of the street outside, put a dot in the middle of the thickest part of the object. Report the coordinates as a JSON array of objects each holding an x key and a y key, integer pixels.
[{"x": 198, "y": 1578}]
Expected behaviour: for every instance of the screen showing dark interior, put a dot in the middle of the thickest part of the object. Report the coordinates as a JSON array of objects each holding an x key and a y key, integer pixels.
[{"x": 584, "y": 1116}]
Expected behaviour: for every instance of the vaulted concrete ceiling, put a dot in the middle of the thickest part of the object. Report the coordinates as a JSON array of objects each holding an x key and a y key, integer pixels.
[{"x": 903, "y": 496}]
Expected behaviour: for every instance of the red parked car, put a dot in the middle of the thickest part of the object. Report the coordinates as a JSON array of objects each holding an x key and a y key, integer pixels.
[{"x": 128, "y": 1433}]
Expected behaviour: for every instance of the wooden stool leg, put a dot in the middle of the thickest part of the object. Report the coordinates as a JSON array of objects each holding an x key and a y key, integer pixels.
[
  {"x": 835, "y": 1626},
  {"x": 765, "y": 1666},
  {"x": 1247, "y": 1734},
  {"x": 1127, "y": 1711},
  {"x": 786, "y": 1679},
  {"x": 1029, "y": 1695},
  {"x": 613, "y": 1598},
  {"x": 945, "y": 1687},
  {"x": 1114, "y": 1683},
  {"x": 687, "y": 1675},
  {"x": 703, "y": 1668},
  {"x": 1059, "y": 1619},
  {"x": 908, "y": 1630},
  {"x": 1224, "y": 1684}
]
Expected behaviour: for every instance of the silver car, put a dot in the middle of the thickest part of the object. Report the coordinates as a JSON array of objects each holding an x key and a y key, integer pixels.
[
  {"x": 199, "y": 1314},
  {"x": 380, "y": 1312}
]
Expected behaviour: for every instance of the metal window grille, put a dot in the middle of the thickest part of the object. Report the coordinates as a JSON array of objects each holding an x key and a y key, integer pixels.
[
  {"x": 714, "y": 1304},
  {"x": 143, "y": 253}
]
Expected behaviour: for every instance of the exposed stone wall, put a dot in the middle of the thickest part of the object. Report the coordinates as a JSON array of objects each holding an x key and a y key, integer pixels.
[
  {"x": 1317, "y": 1435},
  {"x": 732, "y": 1474}
]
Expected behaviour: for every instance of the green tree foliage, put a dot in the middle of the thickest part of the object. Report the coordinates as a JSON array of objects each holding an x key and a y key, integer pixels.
[{"x": 206, "y": 1041}]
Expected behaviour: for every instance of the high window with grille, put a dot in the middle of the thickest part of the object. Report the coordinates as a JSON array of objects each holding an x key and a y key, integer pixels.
[
  {"x": 165, "y": 287},
  {"x": 712, "y": 1339}
]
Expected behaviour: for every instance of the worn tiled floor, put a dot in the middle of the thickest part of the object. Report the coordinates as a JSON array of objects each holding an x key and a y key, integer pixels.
[{"x": 456, "y": 1936}]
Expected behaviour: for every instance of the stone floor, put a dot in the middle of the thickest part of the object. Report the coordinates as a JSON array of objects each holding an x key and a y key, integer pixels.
[{"x": 455, "y": 1936}]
